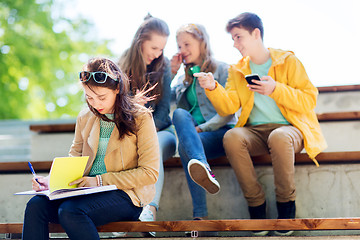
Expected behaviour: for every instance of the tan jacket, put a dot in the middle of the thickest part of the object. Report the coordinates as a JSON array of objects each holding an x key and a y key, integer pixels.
[{"x": 132, "y": 163}]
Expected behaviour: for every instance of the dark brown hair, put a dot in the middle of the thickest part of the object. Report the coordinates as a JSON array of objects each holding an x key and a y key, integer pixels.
[
  {"x": 248, "y": 21},
  {"x": 125, "y": 108},
  {"x": 143, "y": 77}
]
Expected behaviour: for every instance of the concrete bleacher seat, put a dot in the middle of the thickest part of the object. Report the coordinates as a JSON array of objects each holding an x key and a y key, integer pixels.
[{"x": 14, "y": 141}]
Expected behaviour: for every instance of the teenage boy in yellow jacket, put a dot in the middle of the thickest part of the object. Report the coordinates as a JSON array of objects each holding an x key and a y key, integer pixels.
[{"x": 277, "y": 115}]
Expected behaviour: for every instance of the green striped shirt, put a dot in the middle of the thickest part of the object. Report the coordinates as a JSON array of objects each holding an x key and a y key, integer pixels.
[{"x": 106, "y": 129}]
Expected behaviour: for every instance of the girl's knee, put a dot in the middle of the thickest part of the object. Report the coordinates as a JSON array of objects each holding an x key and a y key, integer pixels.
[
  {"x": 66, "y": 216},
  {"x": 179, "y": 114},
  {"x": 68, "y": 210}
]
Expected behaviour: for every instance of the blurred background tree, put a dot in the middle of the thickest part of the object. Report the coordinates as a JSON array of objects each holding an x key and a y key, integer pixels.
[{"x": 41, "y": 54}]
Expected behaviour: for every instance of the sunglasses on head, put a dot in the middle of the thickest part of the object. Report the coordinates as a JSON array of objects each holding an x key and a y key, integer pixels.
[{"x": 99, "y": 77}]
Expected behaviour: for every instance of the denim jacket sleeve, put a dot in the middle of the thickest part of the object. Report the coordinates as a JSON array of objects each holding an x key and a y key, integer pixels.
[
  {"x": 162, "y": 108},
  {"x": 215, "y": 123}
]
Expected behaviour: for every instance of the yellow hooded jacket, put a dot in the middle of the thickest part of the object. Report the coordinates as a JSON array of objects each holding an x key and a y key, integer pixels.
[{"x": 294, "y": 94}]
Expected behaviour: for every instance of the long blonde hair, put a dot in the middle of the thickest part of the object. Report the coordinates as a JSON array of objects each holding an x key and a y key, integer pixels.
[{"x": 208, "y": 63}]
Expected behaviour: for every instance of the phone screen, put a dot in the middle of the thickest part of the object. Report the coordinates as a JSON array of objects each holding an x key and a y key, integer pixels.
[{"x": 252, "y": 77}]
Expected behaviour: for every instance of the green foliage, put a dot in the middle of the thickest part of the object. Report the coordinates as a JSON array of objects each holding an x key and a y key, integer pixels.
[{"x": 40, "y": 57}]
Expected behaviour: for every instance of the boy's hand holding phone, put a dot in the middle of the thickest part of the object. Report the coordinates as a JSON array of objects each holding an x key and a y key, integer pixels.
[
  {"x": 251, "y": 77},
  {"x": 265, "y": 86}
]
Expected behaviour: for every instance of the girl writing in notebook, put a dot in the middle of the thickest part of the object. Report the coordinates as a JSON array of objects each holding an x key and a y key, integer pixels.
[{"x": 119, "y": 136}]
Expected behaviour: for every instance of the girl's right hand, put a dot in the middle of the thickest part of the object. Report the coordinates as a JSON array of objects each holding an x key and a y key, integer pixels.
[
  {"x": 175, "y": 62},
  {"x": 40, "y": 183},
  {"x": 206, "y": 80}
]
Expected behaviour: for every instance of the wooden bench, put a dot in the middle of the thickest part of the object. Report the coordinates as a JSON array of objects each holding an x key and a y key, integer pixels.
[{"x": 305, "y": 224}]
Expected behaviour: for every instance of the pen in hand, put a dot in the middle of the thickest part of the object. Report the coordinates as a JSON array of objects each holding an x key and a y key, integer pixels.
[{"x": 33, "y": 172}]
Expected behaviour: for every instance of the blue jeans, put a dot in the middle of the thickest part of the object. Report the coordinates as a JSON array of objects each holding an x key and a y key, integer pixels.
[
  {"x": 167, "y": 144},
  {"x": 79, "y": 216},
  {"x": 200, "y": 146}
]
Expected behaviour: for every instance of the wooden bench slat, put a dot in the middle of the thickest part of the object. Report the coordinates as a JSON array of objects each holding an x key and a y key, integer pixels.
[
  {"x": 175, "y": 162},
  {"x": 11, "y": 227},
  {"x": 338, "y": 116},
  {"x": 304, "y": 224},
  {"x": 235, "y": 225},
  {"x": 24, "y": 167},
  {"x": 343, "y": 88},
  {"x": 53, "y": 128}
]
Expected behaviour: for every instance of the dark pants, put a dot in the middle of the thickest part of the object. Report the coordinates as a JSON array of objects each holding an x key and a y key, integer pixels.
[{"x": 79, "y": 216}]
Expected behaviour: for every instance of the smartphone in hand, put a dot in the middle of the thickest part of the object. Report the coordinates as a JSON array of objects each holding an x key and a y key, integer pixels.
[{"x": 251, "y": 77}]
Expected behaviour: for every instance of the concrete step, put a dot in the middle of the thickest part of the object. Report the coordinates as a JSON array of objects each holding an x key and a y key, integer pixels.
[
  {"x": 14, "y": 127},
  {"x": 338, "y": 102},
  {"x": 12, "y": 139},
  {"x": 15, "y": 149},
  {"x": 15, "y": 141},
  {"x": 341, "y": 136},
  {"x": 15, "y": 158}
]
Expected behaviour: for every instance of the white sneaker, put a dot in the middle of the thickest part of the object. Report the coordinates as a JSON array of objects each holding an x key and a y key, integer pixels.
[
  {"x": 284, "y": 233},
  {"x": 147, "y": 216},
  {"x": 260, "y": 233},
  {"x": 202, "y": 175}
]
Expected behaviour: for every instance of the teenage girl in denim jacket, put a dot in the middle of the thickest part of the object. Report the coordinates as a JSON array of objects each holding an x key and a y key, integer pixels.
[{"x": 199, "y": 128}]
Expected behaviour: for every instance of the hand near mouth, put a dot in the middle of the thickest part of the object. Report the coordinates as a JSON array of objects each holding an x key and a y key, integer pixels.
[{"x": 175, "y": 62}]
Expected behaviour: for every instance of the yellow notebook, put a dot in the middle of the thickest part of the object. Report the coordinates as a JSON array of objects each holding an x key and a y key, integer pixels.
[{"x": 65, "y": 170}]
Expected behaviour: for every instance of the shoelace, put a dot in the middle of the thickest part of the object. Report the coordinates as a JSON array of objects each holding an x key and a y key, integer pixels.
[{"x": 211, "y": 173}]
